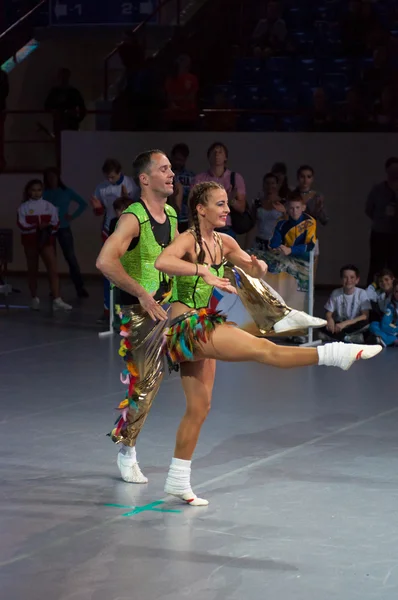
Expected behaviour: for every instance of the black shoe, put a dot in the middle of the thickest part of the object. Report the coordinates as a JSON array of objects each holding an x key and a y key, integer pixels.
[{"x": 83, "y": 293}]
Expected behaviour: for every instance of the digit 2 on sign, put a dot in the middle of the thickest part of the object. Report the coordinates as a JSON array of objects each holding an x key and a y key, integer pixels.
[{"x": 127, "y": 8}]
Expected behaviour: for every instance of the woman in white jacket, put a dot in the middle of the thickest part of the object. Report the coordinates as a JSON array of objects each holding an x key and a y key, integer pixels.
[{"x": 38, "y": 221}]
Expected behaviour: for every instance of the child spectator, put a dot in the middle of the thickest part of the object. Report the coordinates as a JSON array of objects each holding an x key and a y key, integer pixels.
[
  {"x": 379, "y": 293},
  {"x": 296, "y": 235},
  {"x": 347, "y": 310},
  {"x": 38, "y": 221},
  {"x": 386, "y": 332},
  {"x": 267, "y": 211},
  {"x": 119, "y": 206}
]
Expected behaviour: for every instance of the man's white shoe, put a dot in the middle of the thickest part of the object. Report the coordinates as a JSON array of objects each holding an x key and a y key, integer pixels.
[
  {"x": 297, "y": 320},
  {"x": 59, "y": 304},
  {"x": 35, "y": 304},
  {"x": 130, "y": 470}
]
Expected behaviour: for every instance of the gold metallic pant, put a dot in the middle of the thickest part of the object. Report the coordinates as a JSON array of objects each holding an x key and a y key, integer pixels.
[{"x": 142, "y": 351}]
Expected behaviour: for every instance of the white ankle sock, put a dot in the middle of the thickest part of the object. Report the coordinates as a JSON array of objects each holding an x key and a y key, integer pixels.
[
  {"x": 179, "y": 476},
  {"x": 178, "y": 482},
  {"x": 129, "y": 452}
]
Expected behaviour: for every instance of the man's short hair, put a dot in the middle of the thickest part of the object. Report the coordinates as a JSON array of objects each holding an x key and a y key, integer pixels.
[
  {"x": 180, "y": 149},
  {"x": 215, "y": 145},
  {"x": 305, "y": 168},
  {"x": 111, "y": 165},
  {"x": 142, "y": 163},
  {"x": 349, "y": 268},
  {"x": 393, "y": 160}
]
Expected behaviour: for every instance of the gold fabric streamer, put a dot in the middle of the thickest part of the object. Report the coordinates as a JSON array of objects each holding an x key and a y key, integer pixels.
[{"x": 263, "y": 304}]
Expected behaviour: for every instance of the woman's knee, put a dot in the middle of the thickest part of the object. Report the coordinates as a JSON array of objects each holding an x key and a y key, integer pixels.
[{"x": 199, "y": 411}]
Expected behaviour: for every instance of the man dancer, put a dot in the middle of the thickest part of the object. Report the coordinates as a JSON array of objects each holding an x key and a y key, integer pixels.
[{"x": 127, "y": 260}]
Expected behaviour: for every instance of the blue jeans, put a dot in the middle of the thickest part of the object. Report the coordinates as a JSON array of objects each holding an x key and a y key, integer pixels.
[{"x": 65, "y": 240}]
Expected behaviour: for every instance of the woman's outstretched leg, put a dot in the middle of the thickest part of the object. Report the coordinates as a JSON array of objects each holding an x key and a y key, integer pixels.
[
  {"x": 228, "y": 343},
  {"x": 197, "y": 380}
]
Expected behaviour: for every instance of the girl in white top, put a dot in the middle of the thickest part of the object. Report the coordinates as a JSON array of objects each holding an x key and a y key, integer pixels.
[
  {"x": 268, "y": 211},
  {"x": 38, "y": 221}
]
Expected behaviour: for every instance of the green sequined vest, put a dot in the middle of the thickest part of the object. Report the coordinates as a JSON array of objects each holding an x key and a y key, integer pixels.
[
  {"x": 139, "y": 262},
  {"x": 193, "y": 291}
]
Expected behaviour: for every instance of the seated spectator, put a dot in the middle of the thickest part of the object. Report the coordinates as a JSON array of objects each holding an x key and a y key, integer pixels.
[
  {"x": 386, "y": 331},
  {"x": 352, "y": 33},
  {"x": 56, "y": 192},
  {"x": 280, "y": 170},
  {"x": 182, "y": 89},
  {"x": 353, "y": 115},
  {"x": 38, "y": 221},
  {"x": 379, "y": 293},
  {"x": 267, "y": 211},
  {"x": 178, "y": 158},
  {"x": 314, "y": 201},
  {"x": 296, "y": 235},
  {"x": 347, "y": 310},
  {"x": 221, "y": 121},
  {"x": 66, "y": 102},
  {"x": 322, "y": 118},
  {"x": 377, "y": 76},
  {"x": 270, "y": 34},
  {"x": 233, "y": 182},
  {"x": 385, "y": 115}
]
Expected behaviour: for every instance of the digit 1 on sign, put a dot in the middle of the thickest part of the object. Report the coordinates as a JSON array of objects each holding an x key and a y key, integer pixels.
[
  {"x": 127, "y": 8},
  {"x": 78, "y": 8}
]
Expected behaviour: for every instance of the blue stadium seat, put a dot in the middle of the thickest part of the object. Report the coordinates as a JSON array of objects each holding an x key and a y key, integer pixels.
[
  {"x": 248, "y": 70},
  {"x": 335, "y": 85},
  {"x": 253, "y": 96},
  {"x": 295, "y": 123},
  {"x": 257, "y": 123}
]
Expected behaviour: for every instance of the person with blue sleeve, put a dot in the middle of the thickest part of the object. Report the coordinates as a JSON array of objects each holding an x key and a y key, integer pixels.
[
  {"x": 56, "y": 192},
  {"x": 296, "y": 235},
  {"x": 386, "y": 332}
]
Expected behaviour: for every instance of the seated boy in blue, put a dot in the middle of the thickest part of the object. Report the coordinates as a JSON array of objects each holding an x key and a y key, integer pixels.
[
  {"x": 296, "y": 235},
  {"x": 379, "y": 293},
  {"x": 347, "y": 310},
  {"x": 386, "y": 332}
]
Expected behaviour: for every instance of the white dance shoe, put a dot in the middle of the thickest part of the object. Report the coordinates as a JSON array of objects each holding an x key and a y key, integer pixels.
[{"x": 297, "y": 320}]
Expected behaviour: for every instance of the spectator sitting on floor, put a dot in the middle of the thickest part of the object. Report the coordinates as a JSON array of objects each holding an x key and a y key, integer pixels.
[
  {"x": 296, "y": 235},
  {"x": 347, "y": 310},
  {"x": 386, "y": 331},
  {"x": 379, "y": 293}
]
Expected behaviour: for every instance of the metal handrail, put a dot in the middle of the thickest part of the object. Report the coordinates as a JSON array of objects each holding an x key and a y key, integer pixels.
[
  {"x": 136, "y": 30},
  {"x": 25, "y": 16}
]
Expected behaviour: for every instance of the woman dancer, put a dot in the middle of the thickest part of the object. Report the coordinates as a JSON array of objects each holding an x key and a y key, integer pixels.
[
  {"x": 198, "y": 336},
  {"x": 38, "y": 221}
]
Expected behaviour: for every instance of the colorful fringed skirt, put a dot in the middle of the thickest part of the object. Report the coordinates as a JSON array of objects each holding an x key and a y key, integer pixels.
[{"x": 187, "y": 331}]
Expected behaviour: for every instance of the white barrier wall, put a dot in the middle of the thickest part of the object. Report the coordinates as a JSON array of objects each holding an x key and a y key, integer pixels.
[{"x": 346, "y": 167}]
